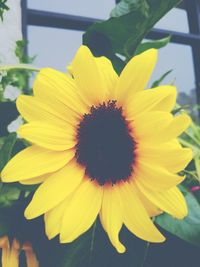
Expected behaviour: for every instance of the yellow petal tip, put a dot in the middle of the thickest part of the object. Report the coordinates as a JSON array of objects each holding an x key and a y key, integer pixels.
[
  {"x": 28, "y": 214},
  {"x": 162, "y": 239},
  {"x": 182, "y": 213},
  {"x": 152, "y": 51},
  {"x": 120, "y": 248},
  {"x": 63, "y": 241},
  {"x": 50, "y": 235},
  {"x": 185, "y": 120},
  {"x": 158, "y": 239},
  {"x": 5, "y": 177}
]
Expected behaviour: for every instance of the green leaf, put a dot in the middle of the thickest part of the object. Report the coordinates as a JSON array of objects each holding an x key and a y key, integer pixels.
[
  {"x": 78, "y": 251},
  {"x": 8, "y": 195},
  {"x": 158, "y": 82},
  {"x": 8, "y": 192},
  {"x": 126, "y": 6},
  {"x": 153, "y": 44},
  {"x": 6, "y": 149},
  {"x": 123, "y": 33},
  {"x": 187, "y": 229}
]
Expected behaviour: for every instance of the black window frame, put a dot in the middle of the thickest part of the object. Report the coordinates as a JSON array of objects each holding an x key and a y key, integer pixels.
[{"x": 80, "y": 23}]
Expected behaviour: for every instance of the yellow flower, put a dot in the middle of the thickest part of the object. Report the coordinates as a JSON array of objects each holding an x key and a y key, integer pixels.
[
  {"x": 101, "y": 145},
  {"x": 11, "y": 253}
]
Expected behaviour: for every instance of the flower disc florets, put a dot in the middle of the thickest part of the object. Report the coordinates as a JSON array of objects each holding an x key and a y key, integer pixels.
[{"x": 105, "y": 145}]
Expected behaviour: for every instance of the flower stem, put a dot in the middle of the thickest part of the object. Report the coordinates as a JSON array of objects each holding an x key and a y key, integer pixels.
[
  {"x": 145, "y": 254},
  {"x": 92, "y": 243},
  {"x": 18, "y": 66}
]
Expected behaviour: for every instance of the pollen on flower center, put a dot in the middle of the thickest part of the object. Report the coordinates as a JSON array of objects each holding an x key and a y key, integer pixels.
[{"x": 104, "y": 144}]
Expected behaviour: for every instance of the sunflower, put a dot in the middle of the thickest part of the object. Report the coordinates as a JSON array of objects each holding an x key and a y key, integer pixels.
[{"x": 102, "y": 145}]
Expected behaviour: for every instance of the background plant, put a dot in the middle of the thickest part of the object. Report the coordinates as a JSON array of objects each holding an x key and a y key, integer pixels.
[{"x": 3, "y": 8}]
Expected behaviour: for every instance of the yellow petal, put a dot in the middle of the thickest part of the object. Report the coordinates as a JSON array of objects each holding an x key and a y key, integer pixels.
[
  {"x": 155, "y": 177},
  {"x": 151, "y": 208},
  {"x": 59, "y": 91},
  {"x": 169, "y": 101},
  {"x": 170, "y": 201},
  {"x": 162, "y": 98},
  {"x": 109, "y": 75},
  {"x": 55, "y": 189},
  {"x": 82, "y": 211},
  {"x": 89, "y": 77},
  {"x": 53, "y": 218},
  {"x": 136, "y": 217},
  {"x": 49, "y": 136},
  {"x": 167, "y": 127},
  {"x": 144, "y": 126},
  {"x": 169, "y": 156},
  {"x": 179, "y": 124},
  {"x": 34, "y": 161},
  {"x": 33, "y": 109},
  {"x": 136, "y": 75},
  {"x": 111, "y": 216},
  {"x": 37, "y": 180}
]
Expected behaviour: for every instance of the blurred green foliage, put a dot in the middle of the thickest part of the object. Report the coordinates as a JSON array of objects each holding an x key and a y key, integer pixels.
[
  {"x": 3, "y": 8},
  {"x": 17, "y": 77},
  {"x": 19, "y": 80}
]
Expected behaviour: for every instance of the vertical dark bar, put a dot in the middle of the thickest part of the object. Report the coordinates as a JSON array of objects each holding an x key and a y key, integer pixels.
[
  {"x": 193, "y": 13},
  {"x": 24, "y": 22},
  {"x": 25, "y": 36}
]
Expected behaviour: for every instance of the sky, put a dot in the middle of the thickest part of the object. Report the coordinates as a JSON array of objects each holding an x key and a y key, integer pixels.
[{"x": 56, "y": 47}]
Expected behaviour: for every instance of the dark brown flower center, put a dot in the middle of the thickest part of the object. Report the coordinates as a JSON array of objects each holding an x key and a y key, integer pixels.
[{"x": 105, "y": 146}]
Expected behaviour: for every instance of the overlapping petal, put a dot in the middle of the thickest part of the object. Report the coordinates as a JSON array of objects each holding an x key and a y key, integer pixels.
[
  {"x": 162, "y": 98},
  {"x": 149, "y": 126},
  {"x": 60, "y": 184},
  {"x": 155, "y": 176},
  {"x": 179, "y": 124},
  {"x": 109, "y": 75},
  {"x": 37, "y": 180},
  {"x": 34, "y": 109},
  {"x": 90, "y": 79},
  {"x": 172, "y": 157},
  {"x": 136, "y": 75},
  {"x": 82, "y": 211},
  {"x": 49, "y": 136},
  {"x": 150, "y": 207},
  {"x": 53, "y": 218},
  {"x": 111, "y": 215},
  {"x": 59, "y": 91},
  {"x": 171, "y": 201},
  {"x": 158, "y": 126},
  {"x": 35, "y": 161},
  {"x": 135, "y": 216}
]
